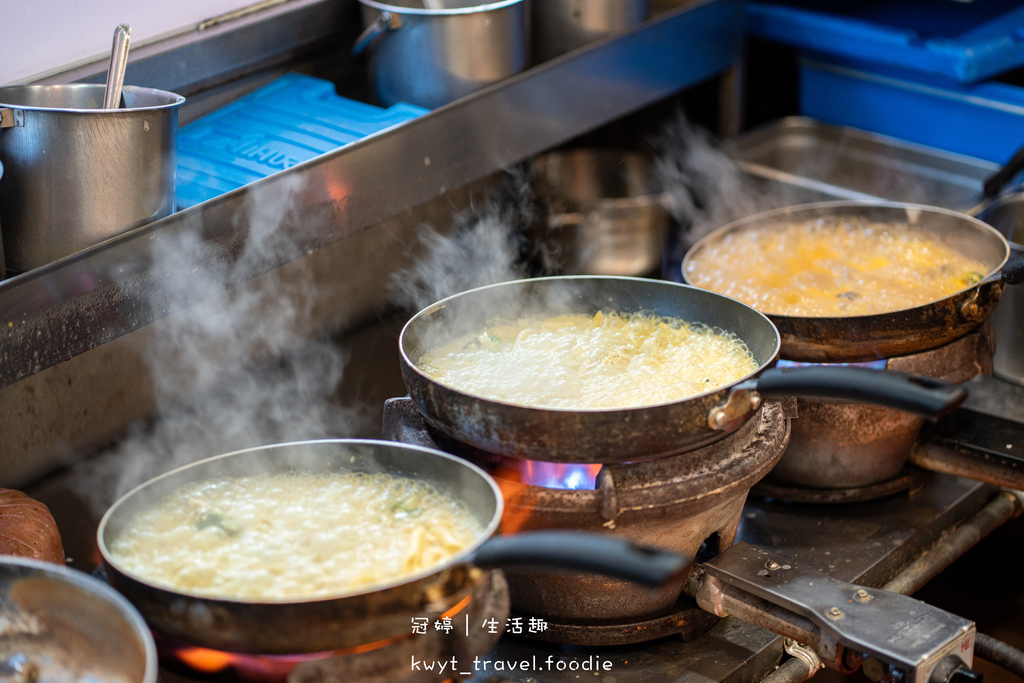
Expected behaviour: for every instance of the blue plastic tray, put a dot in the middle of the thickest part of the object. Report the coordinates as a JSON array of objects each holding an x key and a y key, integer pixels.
[
  {"x": 962, "y": 41},
  {"x": 291, "y": 120},
  {"x": 985, "y": 121}
]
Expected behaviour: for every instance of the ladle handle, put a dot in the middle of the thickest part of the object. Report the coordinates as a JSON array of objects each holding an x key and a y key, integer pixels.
[
  {"x": 371, "y": 33},
  {"x": 927, "y": 396},
  {"x": 118, "y": 64},
  {"x": 597, "y": 553}
]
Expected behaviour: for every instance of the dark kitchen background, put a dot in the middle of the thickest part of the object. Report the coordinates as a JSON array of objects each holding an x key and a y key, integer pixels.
[{"x": 314, "y": 214}]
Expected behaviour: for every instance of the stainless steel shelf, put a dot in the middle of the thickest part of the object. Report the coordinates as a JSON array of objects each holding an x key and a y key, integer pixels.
[{"x": 54, "y": 315}]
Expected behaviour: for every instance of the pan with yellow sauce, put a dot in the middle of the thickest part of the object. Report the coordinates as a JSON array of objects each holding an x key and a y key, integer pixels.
[{"x": 832, "y": 267}]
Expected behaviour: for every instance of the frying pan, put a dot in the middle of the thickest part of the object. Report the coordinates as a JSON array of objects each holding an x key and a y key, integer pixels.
[
  {"x": 884, "y": 335},
  {"x": 630, "y": 434},
  {"x": 60, "y": 624},
  {"x": 381, "y": 611}
]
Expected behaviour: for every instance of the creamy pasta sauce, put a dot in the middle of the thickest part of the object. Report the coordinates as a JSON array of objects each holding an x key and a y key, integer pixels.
[
  {"x": 832, "y": 268},
  {"x": 293, "y": 536},
  {"x": 606, "y": 360}
]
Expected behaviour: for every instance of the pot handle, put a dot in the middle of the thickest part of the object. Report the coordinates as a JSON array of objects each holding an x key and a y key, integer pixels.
[
  {"x": 927, "y": 396},
  {"x": 597, "y": 553},
  {"x": 378, "y": 27},
  {"x": 1013, "y": 271}
]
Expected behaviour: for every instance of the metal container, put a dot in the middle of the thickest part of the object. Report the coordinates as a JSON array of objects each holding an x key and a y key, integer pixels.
[
  {"x": 3, "y": 264},
  {"x": 848, "y": 163},
  {"x": 560, "y": 26},
  {"x": 605, "y": 216},
  {"x": 63, "y": 625},
  {"x": 1006, "y": 215},
  {"x": 430, "y": 57},
  {"x": 77, "y": 174}
]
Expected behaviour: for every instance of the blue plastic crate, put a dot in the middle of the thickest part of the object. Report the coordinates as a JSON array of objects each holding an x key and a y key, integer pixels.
[
  {"x": 963, "y": 41},
  {"x": 985, "y": 121},
  {"x": 291, "y": 120}
]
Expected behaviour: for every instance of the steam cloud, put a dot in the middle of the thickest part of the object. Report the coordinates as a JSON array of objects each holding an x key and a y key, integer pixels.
[
  {"x": 705, "y": 188},
  {"x": 208, "y": 399},
  {"x": 487, "y": 245},
  {"x": 210, "y": 402}
]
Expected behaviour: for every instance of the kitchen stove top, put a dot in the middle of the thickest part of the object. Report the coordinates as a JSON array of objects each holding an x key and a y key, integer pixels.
[
  {"x": 863, "y": 542},
  {"x": 867, "y": 543}
]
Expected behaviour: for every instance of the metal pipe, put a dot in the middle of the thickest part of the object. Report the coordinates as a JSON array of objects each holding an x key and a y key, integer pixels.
[
  {"x": 793, "y": 670},
  {"x": 1005, "y": 506}
]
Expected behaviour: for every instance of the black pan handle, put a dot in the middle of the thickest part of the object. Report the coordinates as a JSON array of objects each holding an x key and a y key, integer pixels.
[
  {"x": 1013, "y": 271},
  {"x": 597, "y": 553},
  {"x": 927, "y": 396},
  {"x": 997, "y": 180}
]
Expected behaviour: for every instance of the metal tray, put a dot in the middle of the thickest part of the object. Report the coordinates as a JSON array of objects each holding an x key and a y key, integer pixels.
[{"x": 849, "y": 163}]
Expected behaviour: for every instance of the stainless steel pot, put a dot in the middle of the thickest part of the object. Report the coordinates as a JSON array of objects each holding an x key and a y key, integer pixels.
[
  {"x": 77, "y": 174},
  {"x": 3, "y": 264},
  {"x": 73, "y": 627},
  {"x": 560, "y": 26},
  {"x": 1006, "y": 215},
  {"x": 605, "y": 215},
  {"x": 430, "y": 57}
]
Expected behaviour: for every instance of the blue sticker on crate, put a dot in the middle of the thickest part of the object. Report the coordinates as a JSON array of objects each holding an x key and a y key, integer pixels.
[
  {"x": 291, "y": 120},
  {"x": 963, "y": 41}
]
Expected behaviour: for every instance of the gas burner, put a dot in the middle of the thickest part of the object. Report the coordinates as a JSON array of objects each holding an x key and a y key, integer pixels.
[
  {"x": 857, "y": 447},
  {"x": 910, "y": 479},
  {"x": 680, "y": 503},
  {"x": 455, "y": 644}
]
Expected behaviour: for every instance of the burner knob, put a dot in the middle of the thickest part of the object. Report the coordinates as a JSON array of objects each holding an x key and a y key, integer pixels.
[
  {"x": 880, "y": 671},
  {"x": 952, "y": 669}
]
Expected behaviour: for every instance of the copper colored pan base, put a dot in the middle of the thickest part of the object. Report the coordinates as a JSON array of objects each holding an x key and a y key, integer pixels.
[{"x": 843, "y": 445}]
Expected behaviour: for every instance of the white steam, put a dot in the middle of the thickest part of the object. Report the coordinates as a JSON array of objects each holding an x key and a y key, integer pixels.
[
  {"x": 486, "y": 246},
  {"x": 705, "y": 188},
  {"x": 209, "y": 400}
]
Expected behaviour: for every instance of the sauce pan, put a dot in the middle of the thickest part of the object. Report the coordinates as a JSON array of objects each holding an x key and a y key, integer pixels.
[
  {"x": 848, "y": 339},
  {"x": 382, "y": 611},
  {"x": 645, "y": 432}
]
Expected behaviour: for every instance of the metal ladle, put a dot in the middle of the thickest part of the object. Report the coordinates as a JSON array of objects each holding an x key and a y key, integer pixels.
[{"x": 118, "y": 64}]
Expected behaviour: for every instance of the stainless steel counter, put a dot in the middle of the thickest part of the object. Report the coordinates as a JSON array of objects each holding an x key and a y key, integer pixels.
[{"x": 74, "y": 335}]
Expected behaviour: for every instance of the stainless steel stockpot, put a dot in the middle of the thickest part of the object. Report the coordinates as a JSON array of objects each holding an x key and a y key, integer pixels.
[
  {"x": 430, "y": 57},
  {"x": 1006, "y": 215},
  {"x": 560, "y": 26},
  {"x": 77, "y": 174}
]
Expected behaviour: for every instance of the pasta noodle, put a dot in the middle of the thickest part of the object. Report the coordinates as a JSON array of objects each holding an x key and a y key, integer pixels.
[
  {"x": 293, "y": 536},
  {"x": 605, "y": 360}
]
